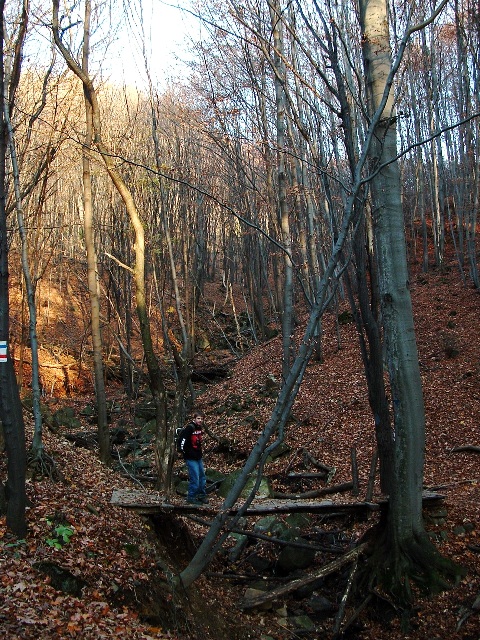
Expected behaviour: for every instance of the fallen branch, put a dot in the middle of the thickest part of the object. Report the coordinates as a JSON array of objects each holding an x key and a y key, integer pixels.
[
  {"x": 262, "y": 536},
  {"x": 466, "y": 447},
  {"x": 343, "y": 602},
  {"x": 239, "y": 577},
  {"x": 331, "y": 567},
  {"x": 337, "y": 488},
  {"x": 448, "y": 485},
  {"x": 307, "y": 457},
  {"x": 307, "y": 475}
]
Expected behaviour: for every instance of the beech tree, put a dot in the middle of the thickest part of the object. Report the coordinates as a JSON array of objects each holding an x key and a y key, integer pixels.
[{"x": 406, "y": 554}]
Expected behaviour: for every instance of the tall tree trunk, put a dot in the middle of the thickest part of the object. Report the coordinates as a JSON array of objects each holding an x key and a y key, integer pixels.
[
  {"x": 11, "y": 415},
  {"x": 12, "y": 74},
  {"x": 93, "y": 286},
  {"x": 410, "y": 555},
  {"x": 156, "y": 384},
  {"x": 279, "y": 81}
]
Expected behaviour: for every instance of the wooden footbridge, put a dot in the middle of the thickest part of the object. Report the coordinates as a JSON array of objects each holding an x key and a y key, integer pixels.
[{"x": 154, "y": 503}]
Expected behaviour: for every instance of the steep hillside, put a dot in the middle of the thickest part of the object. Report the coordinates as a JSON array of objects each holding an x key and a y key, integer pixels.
[{"x": 125, "y": 561}]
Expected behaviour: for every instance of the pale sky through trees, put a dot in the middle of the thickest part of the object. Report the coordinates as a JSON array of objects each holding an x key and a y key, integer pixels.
[
  {"x": 117, "y": 43},
  {"x": 165, "y": 31}
]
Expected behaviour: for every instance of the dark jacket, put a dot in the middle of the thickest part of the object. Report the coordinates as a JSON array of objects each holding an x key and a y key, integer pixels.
[{"x": 191, "y": 442}]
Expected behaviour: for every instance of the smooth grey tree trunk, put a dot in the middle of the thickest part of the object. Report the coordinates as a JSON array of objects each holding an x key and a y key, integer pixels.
[
  {"x": 410, "y": 555},
  {"x": 395, "y": 300}
]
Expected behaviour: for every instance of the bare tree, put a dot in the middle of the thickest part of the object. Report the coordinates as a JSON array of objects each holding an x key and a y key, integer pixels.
[
  {"x": 10, "y": 407},
  {"x": 156, "y": 384},
  {"x": 407, "y": 553},
  {"x": 93, "y": 286}
]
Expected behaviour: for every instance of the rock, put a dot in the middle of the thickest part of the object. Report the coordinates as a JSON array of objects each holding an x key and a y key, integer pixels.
[
  {"x": 298, "y": 520},
  {"x": 145, "y": 411},
  {"x": 118, "y": 435},
  {"x": 282, "y": 612},
  {"x": 264, "y": 490},
  {"x": 65, "y": 417},
  {"x": 61, "y": 579},
  {"x": 302, "y": 622},
  {"x": 321, "y": 606},
  {"x": 258, "y": 562},
  {"x": 240, "y": 544},
  {"x": 89, "y": 411},
  {"x": 252, "y": 593},
  {"x": 280, "y": 450},
  {"x": 294, "y": 558},
  {"x": 270, "y": 524}
]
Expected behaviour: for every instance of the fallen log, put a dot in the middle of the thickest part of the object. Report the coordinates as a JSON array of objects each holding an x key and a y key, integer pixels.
[
  {"x": 316, "y": 493},
  {"x": 307, "y": 475},
  {"x": 150, "y": 503},
  {"x": 275, "y": 594}
]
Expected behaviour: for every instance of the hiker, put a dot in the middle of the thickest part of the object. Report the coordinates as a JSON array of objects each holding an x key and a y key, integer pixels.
[{"x": 190, "y": 445}]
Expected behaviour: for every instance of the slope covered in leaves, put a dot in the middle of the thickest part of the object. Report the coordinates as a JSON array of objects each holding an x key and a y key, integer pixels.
[{"x": 124, "y": 565}]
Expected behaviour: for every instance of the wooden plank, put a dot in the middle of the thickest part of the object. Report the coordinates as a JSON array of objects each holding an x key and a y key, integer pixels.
[{"x": 151, "y": 502}]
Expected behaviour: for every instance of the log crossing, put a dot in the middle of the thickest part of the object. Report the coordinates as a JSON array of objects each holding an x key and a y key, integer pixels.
[{"x": 153, "y": 503}]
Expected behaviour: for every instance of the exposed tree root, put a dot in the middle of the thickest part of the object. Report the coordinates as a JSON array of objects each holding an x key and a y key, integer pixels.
[
  {"x": 42, "y": 465},
  {"x": 397, "y": 570}
]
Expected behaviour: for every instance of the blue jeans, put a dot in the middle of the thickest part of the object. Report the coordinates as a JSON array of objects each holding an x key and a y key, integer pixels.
[{"x": 196, "y": 479}]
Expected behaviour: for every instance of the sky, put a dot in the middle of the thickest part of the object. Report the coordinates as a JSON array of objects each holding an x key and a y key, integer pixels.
[
  {"x": 118, "y": 35},
  {"x": 166, "y": 29}
]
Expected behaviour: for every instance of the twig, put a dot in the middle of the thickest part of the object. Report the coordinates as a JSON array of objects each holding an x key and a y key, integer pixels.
[
  {"x": 127, "y": 471},
  {"x": 343, "y": 602},
  {"x": 121, "y": 264},
  {"x": 439, "y": 487}
]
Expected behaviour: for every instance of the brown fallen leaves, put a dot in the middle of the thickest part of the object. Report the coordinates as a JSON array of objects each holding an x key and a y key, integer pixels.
[{"x": 116, "y": 552}]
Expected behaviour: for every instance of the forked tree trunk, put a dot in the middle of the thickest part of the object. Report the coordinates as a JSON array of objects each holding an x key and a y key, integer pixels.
[{"x": 156, "y": 384}]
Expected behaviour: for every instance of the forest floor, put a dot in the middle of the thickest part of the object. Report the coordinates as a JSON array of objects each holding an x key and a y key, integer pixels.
[{"x": 125, "y": 562}]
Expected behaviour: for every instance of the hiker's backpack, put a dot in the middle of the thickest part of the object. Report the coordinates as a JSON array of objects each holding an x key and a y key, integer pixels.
[{"x": 179, "y": 434}]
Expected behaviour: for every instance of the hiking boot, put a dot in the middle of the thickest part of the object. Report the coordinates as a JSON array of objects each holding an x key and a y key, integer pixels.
[
  {"x": 194, "y": 501},
  {"x": 202, "y": 499}
]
